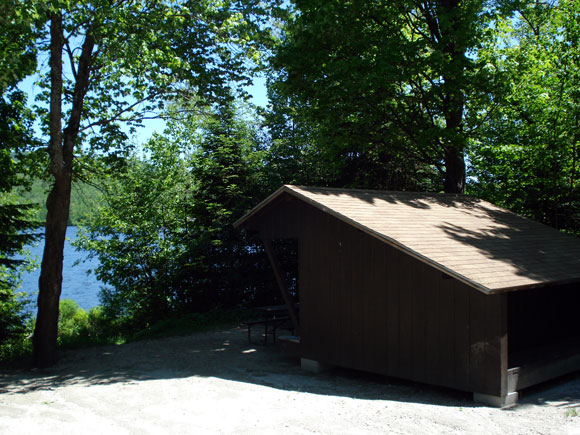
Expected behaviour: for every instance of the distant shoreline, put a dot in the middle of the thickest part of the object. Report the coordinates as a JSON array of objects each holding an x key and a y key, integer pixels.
[{"x": 84, "y": 198}]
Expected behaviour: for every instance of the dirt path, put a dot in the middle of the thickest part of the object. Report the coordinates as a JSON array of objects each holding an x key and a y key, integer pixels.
[{"x": 218, "y": 383}]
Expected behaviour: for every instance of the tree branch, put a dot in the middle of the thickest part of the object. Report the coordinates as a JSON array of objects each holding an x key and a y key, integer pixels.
[
  {"x": 431, "y": 21},
  {"x": 535, "y": 30},
  {"x": 81, "y": 86},
  {"x": 409, "y": 18},
  {"x": 117, "y": 116},
  {"x": 71, "y": 59},
  {"x": 55, "y": 123}
]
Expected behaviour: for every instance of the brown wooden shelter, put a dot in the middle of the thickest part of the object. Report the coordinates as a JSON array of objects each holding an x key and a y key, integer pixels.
[{"x": 436, "y": 288}]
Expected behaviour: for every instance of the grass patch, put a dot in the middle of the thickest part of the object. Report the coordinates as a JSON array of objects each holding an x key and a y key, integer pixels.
[
  {"x": 76, "y": 328},
  {"x": 194, "y": 322},
  {"x": 79, "y": 328}
]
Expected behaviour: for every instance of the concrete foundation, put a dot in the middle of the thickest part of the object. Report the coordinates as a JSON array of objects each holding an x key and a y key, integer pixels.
[
  {"x": 290, "y": 345},
  {"x": 496, "y": 401},
  {"x": 313, "y": 366}
]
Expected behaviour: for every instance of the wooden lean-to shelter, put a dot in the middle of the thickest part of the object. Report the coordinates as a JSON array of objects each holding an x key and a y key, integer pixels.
[{"x": 436, "y": 288}]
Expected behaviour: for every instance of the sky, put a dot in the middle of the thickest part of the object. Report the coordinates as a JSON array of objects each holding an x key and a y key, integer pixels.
[{"x": 257, "y": 91}]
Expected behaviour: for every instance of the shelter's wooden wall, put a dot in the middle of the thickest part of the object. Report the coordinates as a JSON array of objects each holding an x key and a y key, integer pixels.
[{"x": 366, "y": 305}]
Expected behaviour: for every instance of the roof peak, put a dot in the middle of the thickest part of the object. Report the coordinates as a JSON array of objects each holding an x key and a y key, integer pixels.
[{"x": 378, "y": 191}]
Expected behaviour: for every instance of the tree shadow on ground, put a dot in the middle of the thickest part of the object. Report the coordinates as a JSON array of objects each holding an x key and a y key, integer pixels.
[
  {"x": 229, "y": 356},
  {"x": 563, "y": 392}
]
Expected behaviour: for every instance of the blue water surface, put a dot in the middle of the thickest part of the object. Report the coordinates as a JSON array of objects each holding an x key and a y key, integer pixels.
[{"x": 77, "y": 283}]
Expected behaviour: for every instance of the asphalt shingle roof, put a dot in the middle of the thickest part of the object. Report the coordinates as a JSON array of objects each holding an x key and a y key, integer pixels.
[{"x": 487, "y": 247}]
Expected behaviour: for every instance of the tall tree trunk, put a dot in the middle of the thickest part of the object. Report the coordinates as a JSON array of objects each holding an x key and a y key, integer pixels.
[
  {"x": 50, "y": 282},
  {"x": 454, "y": 137},
  {"x": 451, "y": 26},
  {"x": 454, "y": 171},
  {"x": 61, "y": 153}
]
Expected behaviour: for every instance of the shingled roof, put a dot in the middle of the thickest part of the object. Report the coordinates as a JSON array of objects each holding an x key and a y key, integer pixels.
[{"x": 483, "y": 245}]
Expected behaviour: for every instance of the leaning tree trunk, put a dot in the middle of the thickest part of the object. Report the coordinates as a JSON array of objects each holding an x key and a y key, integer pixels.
[
  {"x": 61, "y": 153},
  {"x": 50, "y": 283}
]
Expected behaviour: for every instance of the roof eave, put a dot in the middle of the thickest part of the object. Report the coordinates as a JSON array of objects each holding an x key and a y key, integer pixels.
[{"x": 534, "y": 285}]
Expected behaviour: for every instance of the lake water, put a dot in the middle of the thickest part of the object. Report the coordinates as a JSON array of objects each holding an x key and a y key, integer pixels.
[{"x": 77, "y": 284}]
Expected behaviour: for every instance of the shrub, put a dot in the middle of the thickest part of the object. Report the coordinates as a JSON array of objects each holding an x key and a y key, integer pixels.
[
  {"x": 102, "y": 328},
  {"x": 73, "y": 324},
  {"x": 78, "y": 328},
  {"x": 15, "y": 322}
]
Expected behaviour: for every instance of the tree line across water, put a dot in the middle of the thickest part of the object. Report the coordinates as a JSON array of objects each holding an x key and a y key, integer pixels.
[
  {"x": 477, "y": 97},
  {"x": 85, "y": 198}
]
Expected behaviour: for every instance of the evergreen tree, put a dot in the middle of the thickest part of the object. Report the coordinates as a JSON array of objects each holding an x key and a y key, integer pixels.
[
  {"x": 17, "y": 60},
  {"x": 228, "y": 179},
  {"x": 165, "y": 239}
]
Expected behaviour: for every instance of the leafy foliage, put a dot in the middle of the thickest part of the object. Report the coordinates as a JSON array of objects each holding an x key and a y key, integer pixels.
[
  {"x": 78, "y": 328},
  {"x": 147, "y": 54},
  {"x": 73, "y": 322},
  {"x": 165, "y": 239},
  {"x": 133, "y": 235},
  {"x": 18, "y": 25},
  {"x": 118, "y": 63},
  {"x": 385, "y": 87},
  {"x": 527, "y": 154}
]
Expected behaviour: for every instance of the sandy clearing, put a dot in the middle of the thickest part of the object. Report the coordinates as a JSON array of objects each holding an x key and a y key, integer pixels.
[{"x": 218, "y": 383}]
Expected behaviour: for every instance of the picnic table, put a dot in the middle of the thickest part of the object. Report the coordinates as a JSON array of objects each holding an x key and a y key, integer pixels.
[{"x": 274, "y": 316}]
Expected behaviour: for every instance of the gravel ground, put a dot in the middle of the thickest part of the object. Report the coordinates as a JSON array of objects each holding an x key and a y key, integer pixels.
[{"x": 219, "y": 383}]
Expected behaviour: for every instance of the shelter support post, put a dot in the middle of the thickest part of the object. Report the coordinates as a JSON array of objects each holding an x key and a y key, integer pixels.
[{"x": 281, "y": 284}]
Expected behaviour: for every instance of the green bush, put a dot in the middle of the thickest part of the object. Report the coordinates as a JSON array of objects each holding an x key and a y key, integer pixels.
[
  {"x": 102, "y": 329},
  {"x": 15, "y": 322},
  {"x": 77, "y": 328},
  {"x": 73, "y": 324},
  {"x": 18, "y": 344}
]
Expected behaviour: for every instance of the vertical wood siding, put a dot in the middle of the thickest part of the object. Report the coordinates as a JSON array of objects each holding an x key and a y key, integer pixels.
[{"x": 368, "y": 306}]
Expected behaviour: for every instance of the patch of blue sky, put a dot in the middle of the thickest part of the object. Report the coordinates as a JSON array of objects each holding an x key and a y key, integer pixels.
[{"x": 257, "y": 92}]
